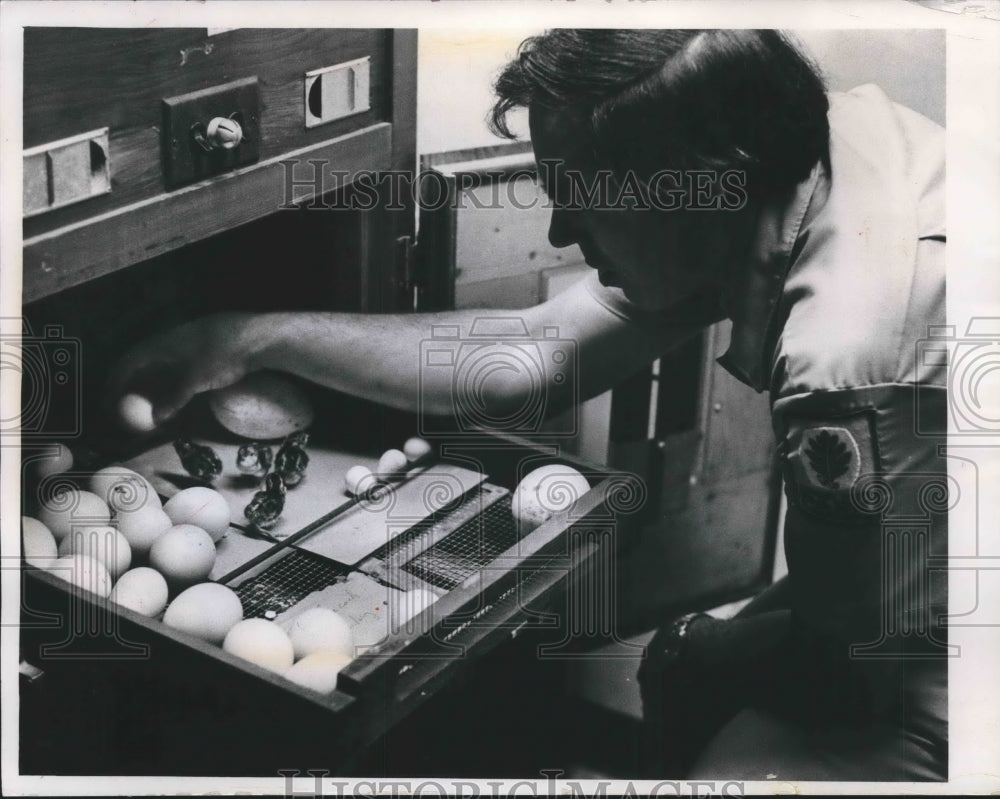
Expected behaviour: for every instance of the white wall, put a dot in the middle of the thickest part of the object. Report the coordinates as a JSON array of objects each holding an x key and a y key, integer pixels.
[
  {"x": 456, "y": 71},
  {"x": 454, "y": 85}
]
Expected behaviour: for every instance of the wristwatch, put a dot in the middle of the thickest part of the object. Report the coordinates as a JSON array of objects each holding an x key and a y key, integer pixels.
[{"x": 677, "y": 633}]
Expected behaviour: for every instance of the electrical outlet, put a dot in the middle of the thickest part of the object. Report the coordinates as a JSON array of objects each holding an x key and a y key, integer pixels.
[{"x": 198, "y": 132}]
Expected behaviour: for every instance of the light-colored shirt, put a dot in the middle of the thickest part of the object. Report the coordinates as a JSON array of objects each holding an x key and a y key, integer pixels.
[{"x": 845, "y": 278}]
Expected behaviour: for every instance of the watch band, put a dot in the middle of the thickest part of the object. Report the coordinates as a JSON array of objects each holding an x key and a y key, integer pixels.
[{"x": 677, "y": 635}]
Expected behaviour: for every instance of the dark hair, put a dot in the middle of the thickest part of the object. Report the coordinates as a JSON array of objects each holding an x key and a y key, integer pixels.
[{"x": 679, "y": 99}]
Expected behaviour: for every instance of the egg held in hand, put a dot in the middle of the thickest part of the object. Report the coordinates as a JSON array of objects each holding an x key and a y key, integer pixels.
[
  {"x": 207, "y": 610},
  {"x": 136, "y": 413},
  {"x": 546, "y": 491},
  {"x": 184, "y": 554}
]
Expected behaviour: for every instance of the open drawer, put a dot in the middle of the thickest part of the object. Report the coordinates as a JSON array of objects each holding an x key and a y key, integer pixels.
[{"x": 126, "y": 694}]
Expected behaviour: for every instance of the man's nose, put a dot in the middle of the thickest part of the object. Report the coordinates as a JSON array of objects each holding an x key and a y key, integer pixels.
[{"x": 563, "y": 228}]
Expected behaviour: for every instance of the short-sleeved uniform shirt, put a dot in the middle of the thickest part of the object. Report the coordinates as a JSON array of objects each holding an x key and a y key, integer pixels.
[{"x": 845, "y": 279}]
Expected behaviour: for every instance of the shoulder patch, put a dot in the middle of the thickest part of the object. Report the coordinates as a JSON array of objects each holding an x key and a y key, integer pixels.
[
  {"x": 825, "y": 458},
  {"x": 830, "y": 457}
]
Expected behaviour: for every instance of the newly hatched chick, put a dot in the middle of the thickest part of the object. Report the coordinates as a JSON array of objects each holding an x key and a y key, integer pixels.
[
  {"x": 198, "y": 460},
  {"x": 254, "y": 458},
  {"x": 267, "y": 504},
  {"x": 292, "y": 459}
]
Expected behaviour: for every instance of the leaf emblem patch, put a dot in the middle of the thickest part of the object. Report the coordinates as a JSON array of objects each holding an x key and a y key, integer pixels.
[{"x": 829, "y": 458}]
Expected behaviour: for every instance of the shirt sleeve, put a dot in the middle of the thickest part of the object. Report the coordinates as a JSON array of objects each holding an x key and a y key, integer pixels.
[
  {"x": 678, "y": 322},
  {"x": 866, "y": 527}
]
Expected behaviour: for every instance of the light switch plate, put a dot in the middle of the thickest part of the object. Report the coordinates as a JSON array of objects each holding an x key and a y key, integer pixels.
[{"x": 336, "y": 92}]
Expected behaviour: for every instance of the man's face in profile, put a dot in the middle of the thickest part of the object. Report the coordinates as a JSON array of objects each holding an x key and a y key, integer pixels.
[{"x": 636, "y": 248}]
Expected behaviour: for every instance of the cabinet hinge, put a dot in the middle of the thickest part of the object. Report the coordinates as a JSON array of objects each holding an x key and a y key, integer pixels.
[{"x": 406, "y": 270}]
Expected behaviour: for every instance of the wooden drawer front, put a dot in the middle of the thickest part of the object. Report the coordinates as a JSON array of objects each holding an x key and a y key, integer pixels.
[{"x": 83, "y": 79}]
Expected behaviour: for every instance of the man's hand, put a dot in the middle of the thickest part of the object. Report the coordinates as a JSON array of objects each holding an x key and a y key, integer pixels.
[{"x": 172, "y": 367}]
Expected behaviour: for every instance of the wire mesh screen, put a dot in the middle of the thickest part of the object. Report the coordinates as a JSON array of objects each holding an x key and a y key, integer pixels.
[
  {"x": 467, "y": 550},
  {"x": 287, "y": 582}
]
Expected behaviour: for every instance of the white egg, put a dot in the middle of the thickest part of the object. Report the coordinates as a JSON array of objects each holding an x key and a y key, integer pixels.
[
  {"x": 206, "y": 610},
  {"x": 184, "y": 554},
  {"x": 262, "y": 642},
  {"x": 84, "y": 572},
  {"x": 392, "y": 465},
  {"x": 416, "y": 448},
  {"x": 38, "y": 543},
  {"x": 136, "y": 413},
  {"x": 202, "y": 507},
  {"x": 359, "y": 480},
  {"x": 142, "y": 527},
  {"x": 143, "y": 590},
  {"x": 70, "y": 507},
  {"x": 263, "y": 405},
  {"x": 123, "y": 489},
  {"x": 103, "y": 543},
  {"x": 320, "y": 630},
  {"x": 318, "y": 671},
  {"x": 545, "y": 492},
  {"x": 55, "y": 462}
]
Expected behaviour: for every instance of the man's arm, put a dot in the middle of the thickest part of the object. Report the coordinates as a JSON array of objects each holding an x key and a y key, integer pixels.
[{"x": 378, "y": 357}]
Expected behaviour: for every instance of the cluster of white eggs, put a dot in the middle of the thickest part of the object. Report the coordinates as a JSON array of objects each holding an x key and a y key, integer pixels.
[
  {"x": 392, "y": 466},
  {"x": 118, "y": 541},
  {"x": 310, "y": 650},
  {"x": 97, "y": 538}
]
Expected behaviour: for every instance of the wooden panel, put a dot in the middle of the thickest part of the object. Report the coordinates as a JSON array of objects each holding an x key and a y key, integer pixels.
[
  {"x": 78, "y": 253},
  {"x": 503, "y": 293},
  {"x": 711, "y": 519},
  {"x": 503, "y": 230},
  {"x": 738, "y": 435},
  {"x": 82, "y": 79},
  {"x": 718, "y": 549}
]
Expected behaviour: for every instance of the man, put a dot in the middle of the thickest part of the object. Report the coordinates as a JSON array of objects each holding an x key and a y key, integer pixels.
[{"x": 707, "y": 175}]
